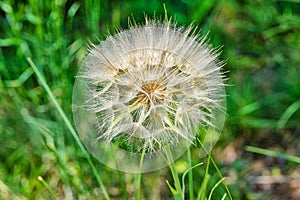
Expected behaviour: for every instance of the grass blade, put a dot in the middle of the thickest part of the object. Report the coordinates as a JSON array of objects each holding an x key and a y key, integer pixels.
[
  {"x": 179, "y": 192},
  {"x": 69, "y": 125},
  {"x": 140, "y": 176},
  {"x": 184, "y": 175},
  {"x": 203, "y": 188},
  {"x": 288, "y": 114},
  {"x": 47, "y": 186},
  {"x": 216, "y": 167},
  {"x": 267, "y": 152},
  {"x": 191, "y": 185},
  {"x": 215, "y": 186},
  {"x": 202, "y": 191}
]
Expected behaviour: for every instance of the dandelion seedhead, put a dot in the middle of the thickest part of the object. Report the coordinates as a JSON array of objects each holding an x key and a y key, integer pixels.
[{"x": 152, "y": 85}]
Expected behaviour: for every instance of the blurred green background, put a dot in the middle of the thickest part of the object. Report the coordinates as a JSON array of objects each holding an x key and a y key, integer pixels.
[{"x": 260, "y": 41}]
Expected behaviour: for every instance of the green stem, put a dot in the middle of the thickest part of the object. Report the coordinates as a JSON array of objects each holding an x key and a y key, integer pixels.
[
  {"x": 202, "y": 191},
  {"x": 215, "y": 186},
  {"x": 186, "y": 172},
  {"x": 191, "y": 185},
  {"x": 267, "y": 152},
  {"x": 47, "y": 186},
  {"x": 216, "y": 167},
  {"x": 174, "y": 172},
  {"x": 221, "y": 176},
  {"x": 139, "y": 194},
  {"x": 69, "y": 125},
  {"x": 123, "y": 187}
]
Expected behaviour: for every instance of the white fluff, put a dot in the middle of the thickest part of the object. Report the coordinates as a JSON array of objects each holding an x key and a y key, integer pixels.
[{"x": 154, "y": 83}]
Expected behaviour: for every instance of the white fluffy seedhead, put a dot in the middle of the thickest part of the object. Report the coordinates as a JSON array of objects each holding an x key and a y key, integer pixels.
[{"x": 152, "y": 85}]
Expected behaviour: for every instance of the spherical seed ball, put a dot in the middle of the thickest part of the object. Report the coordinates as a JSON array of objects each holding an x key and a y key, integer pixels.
[{"x": 148, "y": 87}]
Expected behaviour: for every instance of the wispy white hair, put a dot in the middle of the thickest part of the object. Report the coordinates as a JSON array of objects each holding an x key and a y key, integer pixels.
[{"x": 152, "y": 85}]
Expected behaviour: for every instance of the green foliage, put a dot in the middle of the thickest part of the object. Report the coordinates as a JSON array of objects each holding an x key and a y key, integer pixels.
[{"x": 39, "y": 157}]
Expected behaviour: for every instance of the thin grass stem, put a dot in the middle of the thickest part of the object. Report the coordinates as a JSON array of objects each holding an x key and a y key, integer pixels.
[
  {"x": 174, "y": 172},
  {"x": 267, "y": 152},
  {"x": 216, "y": 167},
  {"x": 215, "y": 186},
  {"x": 124, "y": 192},
  {"x": 221, "y": 176},
  {"x": 184, "y": 175},
  {"x": 140, "y": 176},
  {"x": 202, "y": 190},
  {"x": 224, "y": 196},
  {"x": 47, "y": 186},
  {"x": 191, "y": 185},
  {"x": 69, "y": 125}
]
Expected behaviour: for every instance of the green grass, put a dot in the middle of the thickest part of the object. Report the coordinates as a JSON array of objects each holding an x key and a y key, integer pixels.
[{"x": 41, "y": 156}]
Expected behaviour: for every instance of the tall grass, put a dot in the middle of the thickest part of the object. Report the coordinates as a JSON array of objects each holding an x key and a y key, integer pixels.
[{"x": 40, "y": 157}]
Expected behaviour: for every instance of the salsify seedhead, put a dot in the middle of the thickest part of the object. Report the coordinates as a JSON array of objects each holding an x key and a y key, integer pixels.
[{"x": 152, "y": 85}]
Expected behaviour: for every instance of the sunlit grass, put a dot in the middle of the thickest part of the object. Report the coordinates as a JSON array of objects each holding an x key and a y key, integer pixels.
[{"x": 260, "y": 42}]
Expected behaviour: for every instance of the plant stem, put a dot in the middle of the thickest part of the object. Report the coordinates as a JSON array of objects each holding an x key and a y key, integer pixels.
[
  {"x": 191, "y": 185},
  {"x": 47, "y": 186},
  {"x": 174, "y": 172},
  {"x": 124, "y": 193},
  {"x": 267, "y": 152},
  {"x": 202, "y": 191},
  {"x": 221, "y": 176},
  {"x": 139, "y": 194},
  {"x": 216, "y": 167},
  {"x": 69, "y": 125},
  {"x": 215, "y": 186},
  {"x": 186, "y": 172}
]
